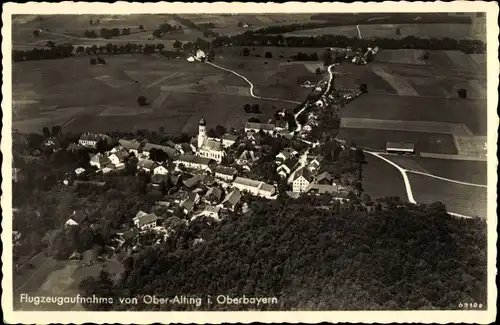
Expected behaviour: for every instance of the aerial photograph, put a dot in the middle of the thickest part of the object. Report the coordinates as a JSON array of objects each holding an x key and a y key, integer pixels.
[{"x": 249, "y": 162}]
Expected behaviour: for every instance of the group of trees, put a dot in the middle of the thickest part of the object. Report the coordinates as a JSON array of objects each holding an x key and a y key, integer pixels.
[
  {"x": 53, "y": 52},
  {"x": 251, "y": 38},
  {"x": 394, "y": 258},
  {"x": 253, "y": 108},
  {"x": 165, "y": 28}
]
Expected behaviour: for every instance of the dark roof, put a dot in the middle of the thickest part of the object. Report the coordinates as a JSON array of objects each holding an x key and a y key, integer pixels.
[
  {"x": 325, "y": 175},
  {"x": 171, "y": 152},
  {"x": 174, "y": 179},
  {"x": 144, "y": 219},
  {"x": 259, "y": 126},
  {"x": 194, "y": 159},
  {"x": 226, "y": 170},
  {"x": 193, "y": 180},
  {"x": 146, "y": 163},
  {"x": 214, "y": 191},
  {"x": 400, "y": 145},
  {"x": 129, "y": 144},
  {"x": 232, "y": 197},
  {"x": 159, "y": 178},
  {"x": 129, "y": 234},
  {"x": 231, "y": 137},
  {"x": 303, "y": 172},
  {"x": 291, "y": 163}
]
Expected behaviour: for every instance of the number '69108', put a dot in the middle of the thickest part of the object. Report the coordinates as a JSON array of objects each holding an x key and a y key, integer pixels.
[{"x": 470, "y": 305}]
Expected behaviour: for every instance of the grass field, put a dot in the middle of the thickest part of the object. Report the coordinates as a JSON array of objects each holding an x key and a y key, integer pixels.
[
  {"x": 381, "y": 179},
  {"x": 472, "y": 113},
  {"x": 376, "y": 139},
  {"x": 465, "y": 171},
  {"x": 462, "y": 199},
  {"x": 104, "y": 98}
]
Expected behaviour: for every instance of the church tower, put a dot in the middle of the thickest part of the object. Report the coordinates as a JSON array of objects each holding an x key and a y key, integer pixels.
[{"x": 201, "y": 132}]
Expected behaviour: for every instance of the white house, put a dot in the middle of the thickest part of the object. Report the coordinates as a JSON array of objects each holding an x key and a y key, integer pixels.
[
  {"x": 257, "y": 188},
  {"x": 200, "y": 55},
  {"x": 225, "y": 173},
  {"x": 286, "y": 153},
  {"x": 301, "y": 180},
  {"x": 99, "y": 161},
  {"x": 79, "y": 171},
  {"x": 315, "y": 163},
  {"x": 146, "y": 165},
  {"x": 145, "y": 221},
  {"x": 257, "y": 127},
  {"x": 160, "y": 170},
  {"x": 71, "y": 223},
  {"x": 90, "y": 140},
  {"x": 208, "y": 148},
  {"x": 228, "y": 140},
  {"x": 117, "y": 158},
  {"x": 195, "y": 162},
  {"x": 287, "y": 167}
]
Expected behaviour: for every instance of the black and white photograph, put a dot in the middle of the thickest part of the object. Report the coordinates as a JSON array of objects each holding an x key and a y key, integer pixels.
[{"x": 205, "y": 158}]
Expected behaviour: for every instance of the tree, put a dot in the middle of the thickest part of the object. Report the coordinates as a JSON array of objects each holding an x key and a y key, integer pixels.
[
  {"x": 318, "y": 70},
  {"x": 160, "y": 47},
  {"x": 93, "y": 61},
  {"x": 142, "y": 101},
  {"x": 101, "y": 60},
  {"x": 51, "y": 44},
  {"x": 211, "y": 133},
  {"x": 141, "y": 27},
  {"x": 46, "y": 132},
  {"x": 462, "y": 93},
  {"x": 220, "y": 131},
  {"x": 398, "y": 31},
  {"x": 255, "y": 108},
  {"x": 56, "y": 130},
  {"x": 36, "y": 33},
  {"x": 268, "y": 55},
  {"x": 157, "y": 33},
  {"x": 80, "y": 49},
  {"x": 254, "y": 120},
  {"x": 363, "y": 88},
  {"x": 91, "y": 22},
  {"x": 247, "y": 108},
  {"x": 246, "y": 51},
  {"x": 177, "y": 45},
  {"x": 161, "y": 130}
]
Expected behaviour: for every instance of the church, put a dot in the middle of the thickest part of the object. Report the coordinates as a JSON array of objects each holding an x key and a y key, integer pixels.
[{"x": 207, "y": 147}]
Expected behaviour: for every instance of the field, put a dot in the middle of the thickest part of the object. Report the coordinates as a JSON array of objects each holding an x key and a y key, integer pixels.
[
  {"x": 381, "y": 179},
  {"x": 373, "y": 139},
  {"x": 461, "y": 199},
  {"x": 104, "y": 98},
  {"x": 459, "y": 31}
]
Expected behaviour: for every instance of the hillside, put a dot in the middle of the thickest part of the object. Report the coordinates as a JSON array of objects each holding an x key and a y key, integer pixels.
[{"x": 395, "y": 258}]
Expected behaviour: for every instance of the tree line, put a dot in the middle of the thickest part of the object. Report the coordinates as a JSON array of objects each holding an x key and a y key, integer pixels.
[{"x": 251, "y": 38}]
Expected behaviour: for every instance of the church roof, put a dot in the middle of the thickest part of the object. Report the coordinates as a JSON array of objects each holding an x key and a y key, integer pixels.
[
  {"x": 212, "y": 145},
  {"x": 202, "y": 121}
]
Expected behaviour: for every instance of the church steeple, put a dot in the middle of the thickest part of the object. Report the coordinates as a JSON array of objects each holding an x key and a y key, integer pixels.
[{"x": 201, "y": 132}]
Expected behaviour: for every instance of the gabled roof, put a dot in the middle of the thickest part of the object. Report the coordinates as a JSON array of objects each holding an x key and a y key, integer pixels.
[
  {"x": 253, "y": 183},
  {"x": 193, "y": 180},
  {"x": 129, "y": 234},
  {"x": 194, "y": 159},
  {"x": 146, "y": 163},
  {"x": 325, "y": 175},
  {"x": 290, "y": 163},
  {"x": 94, "y": 136},
  {"x": 130, "y": 144},
  {"x": 145, "y": 219},
  {"x": 159, "y": 178},
  {"x": 120, "y": 154},
  {"x": 303, "y": 172},
  {"x": 232, "y": 197},
  {"x": 318, "y": 158},
  {"x": 101, "y": 159},
  {"x": 230, "y": 137},
  {"x": 259, "y": 126},
  {"x": 226, "y": 170},
  {"x": 215, "y": 192},
  {"x": 171, "y": 152},
  {"x": 211, "y": 144}
]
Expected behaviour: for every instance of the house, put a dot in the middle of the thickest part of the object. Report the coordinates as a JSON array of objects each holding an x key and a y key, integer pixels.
[
  {"x": 301, "y": 179},
  {"x": 169, "y": 151},
  {"x": 200, "y": 55},
  {"x": 195, "y": 162},
  {"x": 321, "y": 188},
  {"x": 118, "y": 157},
  {"x": 285, "y": 134},
  {"x": 193, "y": 181},
  {"x": 232, "y": 199},
  {"x": 252, "y": 127},
  {"x": 229, "y": 140},
  {"x": 286, "y": 153},
  {"x": 257, "y": 188},
  {"x": 99, "y": 161},
  {"x": 287, "y": 167},
  {"x": 247, "y": 157},
  {"x": 208, "y": 148},
  {"x": 146, "y": 165},
  {"x": 75, "y": 256},
  {"x": 315, "y": 163},
  {"x": 225, "y": 173},
  {"x": 190, "y": 202},
  {"x": 213, "y": 195},
  {"x": 162, "y": 170},
  {"x": 183, "y": 148},
  {"x": 209, "y": 211},
  {"x": 281, "y": 125},
  {"x": 106, "y": 170},
  {"x": 70, "y": 223},
  {"x": 145, "y": 221},
  {"x": 400, "y": 148},
  {"x": 90, "y": 140},
  {"x": 324, "y": 178},
  {"x": 132, "y": 146},
  {"x": 79, "y": 171},
  {"x": 128, "y": 236},
  {"x": 310, "y": 124}
]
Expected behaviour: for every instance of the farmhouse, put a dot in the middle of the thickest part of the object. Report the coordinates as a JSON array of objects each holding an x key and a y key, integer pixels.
[
  {"x": 228, "y": 140},
  {"x": 225, "y": 173},
  {"x": 247, "y": 157},
  {"x": 99, "y": 161},
  {"x": 195, "y": 162},
  {"x": 286, "y": 153},
  {"x": 171, "y": 152},
  {"x": 232, "y": 199},
  {"x": 90, "y": 140},
  {"x": 400, "y": 148},
  {"x": 145, "y": 221},
  {"x": 79, "y": 171},
  {"x": 146, "y": 165},
  {"x": 208, "y": 148},
  {"x": 209, "y": 211},
  {"x": 287, "y": 167},
  {"x": 213, "y": 195},
  {"x": 162, "y": 170},
  {"x": 118, "y": 157},
  {"x": 257, "y": 127},
  {"x": 301, "y": 180},
  {"x": 281, "y": 125},
  {"x": 315, "y": 164},
  {"x": 132, "y": 146},
  {"x": 257, "y": 188}
]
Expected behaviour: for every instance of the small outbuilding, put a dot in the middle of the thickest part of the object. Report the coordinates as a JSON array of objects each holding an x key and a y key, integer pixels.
[{"x": 400, "y": 148}]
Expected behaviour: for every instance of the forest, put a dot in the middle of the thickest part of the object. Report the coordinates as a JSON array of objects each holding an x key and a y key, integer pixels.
[{"x": 399, "y": 256}]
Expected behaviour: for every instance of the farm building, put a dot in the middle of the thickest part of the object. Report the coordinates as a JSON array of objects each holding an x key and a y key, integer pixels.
[{"x": 400, "y": 148}]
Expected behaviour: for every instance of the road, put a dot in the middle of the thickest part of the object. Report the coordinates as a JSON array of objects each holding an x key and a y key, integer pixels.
[
  {"x": 359, "y": 32},
  {"x": 407, "y": 183}
]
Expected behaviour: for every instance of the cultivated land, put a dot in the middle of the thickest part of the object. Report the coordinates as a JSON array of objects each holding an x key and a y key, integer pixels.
[
  {"x": 104, "y": 98},
  {"x": 381, "y": 179},
  {"x": 458, "y": 198}
]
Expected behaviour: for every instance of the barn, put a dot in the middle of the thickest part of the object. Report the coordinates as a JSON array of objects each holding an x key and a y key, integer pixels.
[{"x": 400, "y": 148}]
